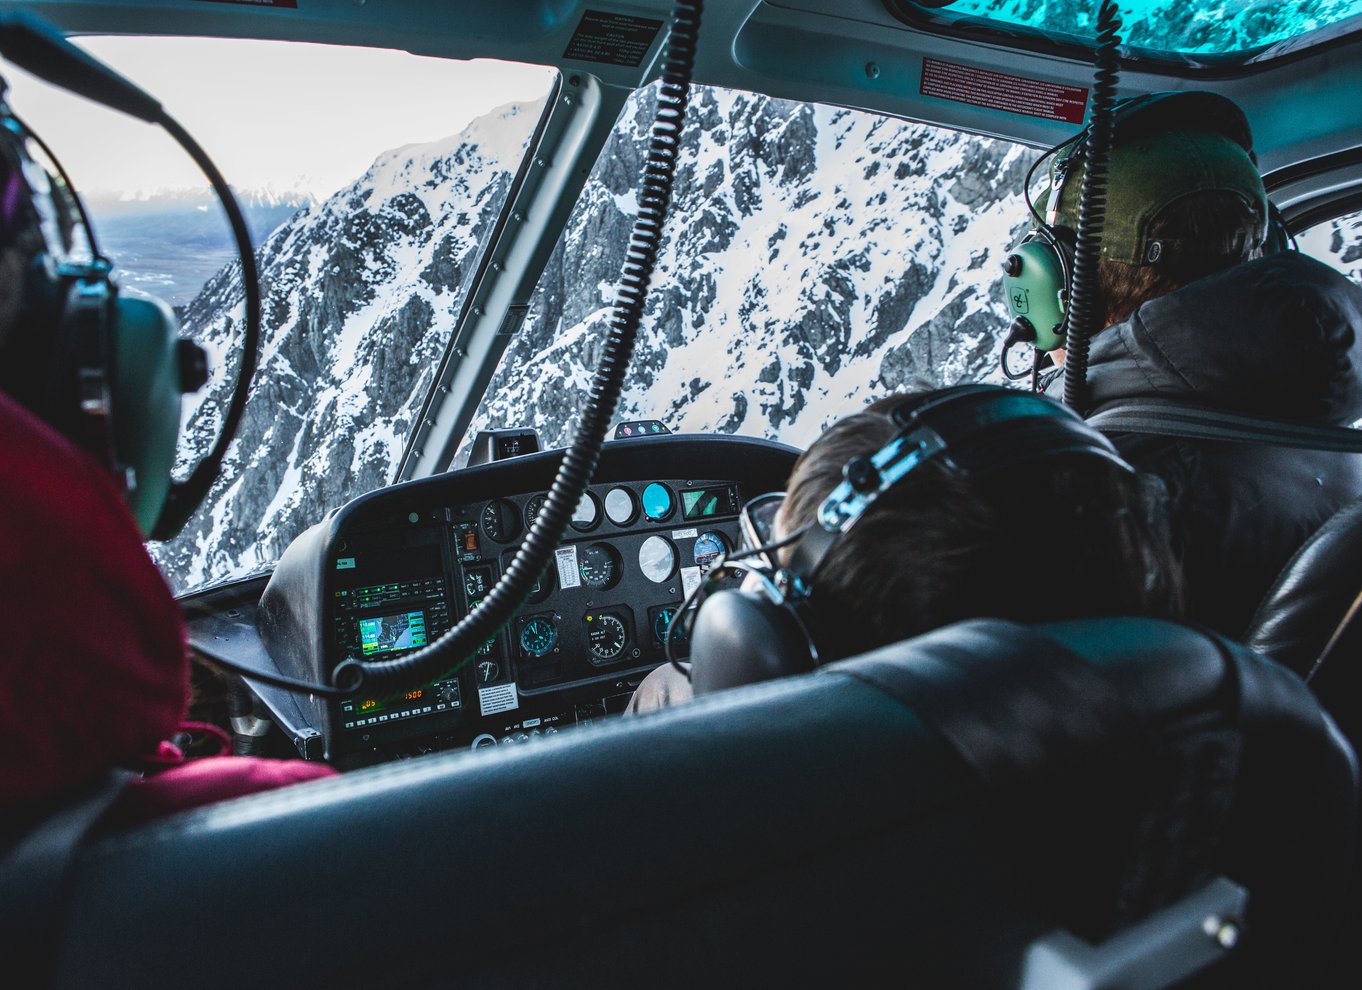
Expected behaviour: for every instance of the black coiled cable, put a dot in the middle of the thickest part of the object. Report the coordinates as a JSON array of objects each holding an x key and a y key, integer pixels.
[
  {"x": 460, "y": 644},
  {"x": 1081, "y": 315}
]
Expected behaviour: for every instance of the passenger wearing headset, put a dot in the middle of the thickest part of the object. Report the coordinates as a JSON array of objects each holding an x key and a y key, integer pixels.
[
  {"x": 921, "y": 511},
  {"x": 94, "y": 673},
  {"x": 1204, "y": 304}
]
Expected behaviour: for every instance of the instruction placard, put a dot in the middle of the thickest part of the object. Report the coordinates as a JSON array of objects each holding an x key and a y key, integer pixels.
[
  {"x": 498, "y": 698},
  {"x": 614, "y": 39},
  {"x": 1000, "y": 91},
  {"x": 568, "y": 574}
]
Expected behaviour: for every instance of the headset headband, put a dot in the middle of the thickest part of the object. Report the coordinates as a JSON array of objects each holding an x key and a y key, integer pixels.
[
  {"x": 1176, "y": 144},
  {"x": 971, "y": 431}
]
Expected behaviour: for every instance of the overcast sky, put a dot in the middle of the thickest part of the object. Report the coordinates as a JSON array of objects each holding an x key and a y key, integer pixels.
[{"x": 271, "y": 114}]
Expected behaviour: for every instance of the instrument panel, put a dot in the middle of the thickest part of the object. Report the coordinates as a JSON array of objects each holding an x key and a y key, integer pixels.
[
  {"x": 598, "y": 615},
  {"x": 390, "y": 572}
]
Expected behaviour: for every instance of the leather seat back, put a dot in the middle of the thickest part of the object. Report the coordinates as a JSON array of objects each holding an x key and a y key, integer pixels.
[
  {"x": 1310, "y": 607},
  {"x": 928, "y": 810}
]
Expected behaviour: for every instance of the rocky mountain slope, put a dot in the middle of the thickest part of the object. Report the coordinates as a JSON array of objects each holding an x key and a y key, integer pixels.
[
  {"x": 815, "y": 258},
  {"x": 359, "y": 295}
]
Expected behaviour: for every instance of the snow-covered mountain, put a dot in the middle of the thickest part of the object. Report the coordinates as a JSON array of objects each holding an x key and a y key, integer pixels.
[
  {"x": 815, "y": 259},
  {"x": 359, "y": 294}
]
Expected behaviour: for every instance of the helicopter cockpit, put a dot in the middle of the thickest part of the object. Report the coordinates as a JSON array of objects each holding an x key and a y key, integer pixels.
[{"x": 509, "y": 393}]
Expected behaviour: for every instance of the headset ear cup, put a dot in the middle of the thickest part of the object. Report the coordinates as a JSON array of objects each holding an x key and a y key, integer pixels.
[
  {"x": 1278, "y": 237},
  {"x": 144, "y": 392},
  {"x": 741, "y": 637},
  {"x": 1035, "y": 286}
]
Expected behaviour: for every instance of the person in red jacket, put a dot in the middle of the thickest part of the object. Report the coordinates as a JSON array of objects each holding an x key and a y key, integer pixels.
[{"x": 94, "y": 670}]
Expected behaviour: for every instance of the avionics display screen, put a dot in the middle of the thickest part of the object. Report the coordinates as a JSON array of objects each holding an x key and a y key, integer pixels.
[
  {"x": 384, "y": 634},
  {"x": 708, "y": 502}
]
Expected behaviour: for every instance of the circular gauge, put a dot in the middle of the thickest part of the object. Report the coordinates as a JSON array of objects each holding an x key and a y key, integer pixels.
[
  {"x": 657, "y": 559},
  {"x": 620, "y": 507},
  {"x": 657, "y": 502},
  {"x": 500, "y": 521},
  {"x": 488, "y": 671},
  {"x": 708, "y": 546},
  {"x": 532, "y": 508},
  {"x": 662, "y": 620},
  {"x": 599, "y": 566},
  {"x": 538, "y": 636},
  {"x": 606, "y": 637},
  {"x": 587, "y": 515}
]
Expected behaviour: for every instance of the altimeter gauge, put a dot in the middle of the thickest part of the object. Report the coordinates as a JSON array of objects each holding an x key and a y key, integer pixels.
[{"x": 606, "y": 637}]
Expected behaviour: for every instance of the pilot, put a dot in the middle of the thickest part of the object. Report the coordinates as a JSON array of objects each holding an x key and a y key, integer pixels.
[
  {"x": 1206, "y": 305},
  {"x": 94, "y": 672},
  {"x": 1013, "y": 509}
]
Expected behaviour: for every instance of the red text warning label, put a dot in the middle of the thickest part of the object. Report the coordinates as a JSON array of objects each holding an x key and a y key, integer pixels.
[{"x": 998, "y": 91}]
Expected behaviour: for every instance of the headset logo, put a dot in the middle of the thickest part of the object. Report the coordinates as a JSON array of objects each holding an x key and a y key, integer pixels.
[{"x": 1021, "y": 301}]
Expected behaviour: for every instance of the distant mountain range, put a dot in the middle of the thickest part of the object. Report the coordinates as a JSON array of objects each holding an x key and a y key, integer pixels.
[{"x": 170, "y": 243}]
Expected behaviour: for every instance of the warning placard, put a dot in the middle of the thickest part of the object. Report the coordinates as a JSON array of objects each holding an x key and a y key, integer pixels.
[
  {"x": 615, "y": 39},
  {"x": 999, "y": 91}
]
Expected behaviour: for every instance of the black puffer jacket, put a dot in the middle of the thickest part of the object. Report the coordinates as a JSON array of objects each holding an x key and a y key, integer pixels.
[{"x": 1278, "y": 337}]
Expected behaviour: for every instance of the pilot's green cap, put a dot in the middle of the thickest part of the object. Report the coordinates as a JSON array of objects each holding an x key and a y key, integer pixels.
[{"x": 1168, "y": 147}]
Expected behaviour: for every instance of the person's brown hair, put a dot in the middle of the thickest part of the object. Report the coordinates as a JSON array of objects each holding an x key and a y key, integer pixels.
[
  {"x": 1058, "y": 538},
  {"x": 1215, "y": 231}
]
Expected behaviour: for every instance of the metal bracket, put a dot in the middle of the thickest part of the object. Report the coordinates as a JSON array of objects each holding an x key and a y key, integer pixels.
[{"x": 1161, "y": 951}]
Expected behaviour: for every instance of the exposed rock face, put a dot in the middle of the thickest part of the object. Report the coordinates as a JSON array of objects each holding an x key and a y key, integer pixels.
[
  {"x": 359, "y": 295},
  {"x": 815, "y": 259}
]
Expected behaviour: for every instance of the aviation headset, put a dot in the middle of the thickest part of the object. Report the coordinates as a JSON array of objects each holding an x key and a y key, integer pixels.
[
  {"x": 1207, "y": 147},
  {"x": 745, "y": 636},
  {"x": 105, "y": 369}
]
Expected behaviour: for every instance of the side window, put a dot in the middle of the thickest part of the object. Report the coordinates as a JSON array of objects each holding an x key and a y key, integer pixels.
[
  {"x": 815, "y": 259},
  {"x": 1337, "y": 243},
  {"x": 370, "y": 205}
]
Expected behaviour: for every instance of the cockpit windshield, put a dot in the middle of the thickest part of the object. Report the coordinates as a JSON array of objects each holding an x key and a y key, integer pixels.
[
  {"x": 372, "y": 181},
  {"x": 815, "y": 258}
]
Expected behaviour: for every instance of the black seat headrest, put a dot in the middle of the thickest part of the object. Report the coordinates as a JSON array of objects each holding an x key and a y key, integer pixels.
[
  {"x": 1312, "y": 595},
  {"x": 920, "y": 808}
]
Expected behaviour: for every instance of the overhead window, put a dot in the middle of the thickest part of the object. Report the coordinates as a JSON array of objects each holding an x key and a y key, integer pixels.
[
  {"x": 1218, "y": 30},
  {"x": 372, "y": 182}
]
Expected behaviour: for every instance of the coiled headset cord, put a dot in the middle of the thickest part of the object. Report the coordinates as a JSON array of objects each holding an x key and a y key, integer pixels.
[
  {"x": 457, "y": 646},
  {"x": 1081, "y": 313}
]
